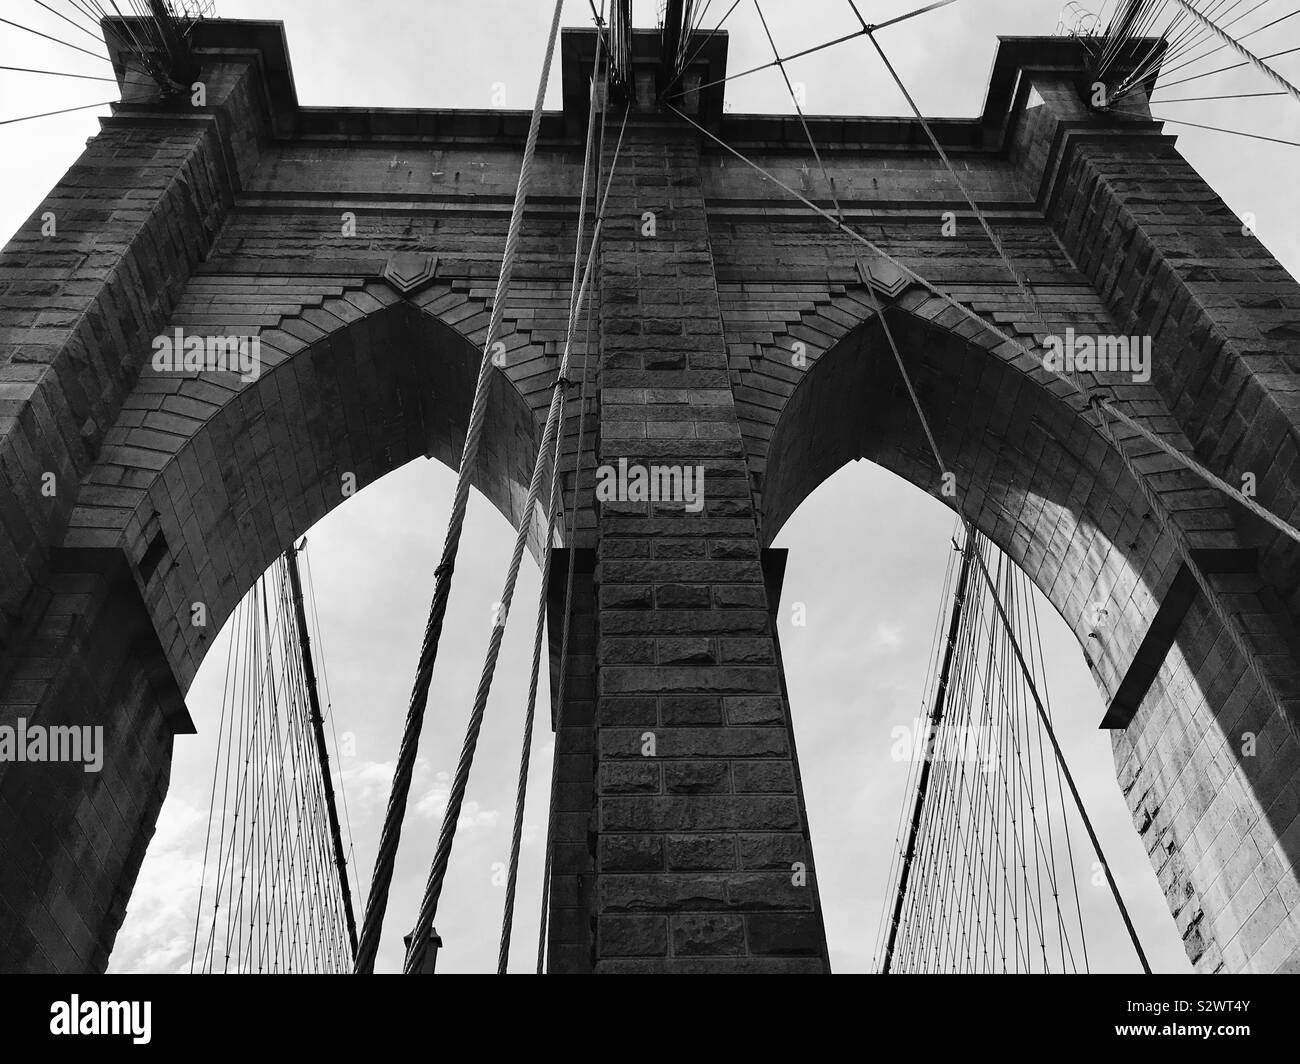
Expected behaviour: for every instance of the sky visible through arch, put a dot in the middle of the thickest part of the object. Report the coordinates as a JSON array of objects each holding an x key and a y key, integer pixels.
[{"x": 871, "y": 587}]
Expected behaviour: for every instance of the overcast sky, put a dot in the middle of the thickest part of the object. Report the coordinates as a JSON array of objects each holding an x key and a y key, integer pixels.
[{"x": 871, "y": 587}]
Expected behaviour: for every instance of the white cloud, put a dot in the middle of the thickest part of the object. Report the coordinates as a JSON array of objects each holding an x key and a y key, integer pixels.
[
  {"x": 886, "y": 637},
  {"x": 158, "y": 933}
]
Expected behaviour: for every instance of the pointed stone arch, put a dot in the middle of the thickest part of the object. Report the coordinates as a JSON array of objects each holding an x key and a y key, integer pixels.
[
  {"x": 226, "y": 217},
  {"x": 207, "y": 477},
  {"x": 204, "y": 479},
  {"x": 1042, "y": 483}
]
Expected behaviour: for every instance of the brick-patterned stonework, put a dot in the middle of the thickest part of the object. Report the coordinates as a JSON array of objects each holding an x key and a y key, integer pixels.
[
  {"x": 703, "y": 859},
  {"x": 172, "y": 489}
]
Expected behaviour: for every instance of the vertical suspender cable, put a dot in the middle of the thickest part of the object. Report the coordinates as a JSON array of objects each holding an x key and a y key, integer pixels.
[
  {"x": 1065, "y": 769},
  {"x": 936, "y": 718},
  {"x": 322, "y": 751}
]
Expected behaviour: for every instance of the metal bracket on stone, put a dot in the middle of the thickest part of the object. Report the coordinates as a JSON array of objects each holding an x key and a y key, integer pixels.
[
  {"x": 883, "y": 276},
  {"x": 410, "y": 271},
  {"x": 1159, "y": 639}
]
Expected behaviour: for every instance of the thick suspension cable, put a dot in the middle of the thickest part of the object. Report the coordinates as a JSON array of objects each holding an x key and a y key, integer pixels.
[
  {"x": 1242, "y": 51},
  {"x": 390, "y": 836},
  {"x": 512, "y": 877},
  {"x": 561, "y": 687},
  {"x": 460, "y": 779}
]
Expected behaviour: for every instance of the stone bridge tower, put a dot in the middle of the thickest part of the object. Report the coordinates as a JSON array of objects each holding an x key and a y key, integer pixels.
[{"x": 127, "y": 494}]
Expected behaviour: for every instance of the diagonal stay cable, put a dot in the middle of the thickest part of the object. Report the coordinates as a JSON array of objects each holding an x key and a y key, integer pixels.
[
  {"x": 566, "y": 628},
  {"x": 1176, "y": 38},
  {"x": 803, "y": 121},
  {"x": 703, "y": 44},
  {"x": 460, "y": 781},
  {"x": 63, "y": 111},
  {"x": 1029, "y": 297},
  {"x": 1251, "y": 504},
  {"x": 390, "y": 837},
  {"x": 1217, "y": 129},
  {"x": 1203, "y": 99},
  {"x": 1157, "y": 505},
  {"x": 1113, "y": 39},
  {"x": 1221, "y": 70},
  {"x": 909, "y": 15},
  {"x": 561, "y": 685},
  {"x": 1159, "y": 510},
  {"x": 75, "y": 25},
  {"x": 521, "y": 791},
  {"x": 942, "y": 902},
  {"x": 1025, "y": 292},
  {"x": 56, "y": 40},
  {"x": 57, "y": 73},
  {"x": 1166, "y": 71},
  {"x": 787, "y": 59},
  {"x": 853, "y": 234},
  {"x": 1242, "y": 51},
  {"x": 875, "y": 303},
  {"x": 822, "y": 47}
]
